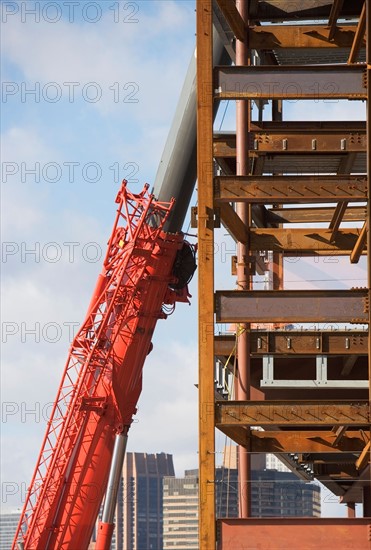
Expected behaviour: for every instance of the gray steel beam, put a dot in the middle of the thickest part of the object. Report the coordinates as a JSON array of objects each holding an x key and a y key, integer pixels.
[
  {"x": 291, "y": 306},
  {"x": 291, "y": 82}
]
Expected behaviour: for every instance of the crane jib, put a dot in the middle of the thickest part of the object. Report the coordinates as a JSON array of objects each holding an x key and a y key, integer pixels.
[{"x": 145, "y": 271}]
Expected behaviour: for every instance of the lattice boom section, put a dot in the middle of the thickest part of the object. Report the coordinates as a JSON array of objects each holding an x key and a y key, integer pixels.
[{"x": 86, "y": 385}]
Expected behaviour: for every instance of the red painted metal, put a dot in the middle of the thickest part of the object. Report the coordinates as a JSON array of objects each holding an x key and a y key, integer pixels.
[
  {"x": 104, "y": 536},
  {"x": 102, "y": 380},
  {"x": 303, "y": 533}
]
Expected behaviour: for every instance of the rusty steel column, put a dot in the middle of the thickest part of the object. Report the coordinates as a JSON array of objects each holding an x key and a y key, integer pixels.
[
  {"x": 277, "y": 264},
  {"x": 367, "y": 488},
  {"x": 207, "y": 523},
  {"x": 243, "y": 270},
  {"x": 366, "y": 502},
  {"x": 351, "y": 507}
]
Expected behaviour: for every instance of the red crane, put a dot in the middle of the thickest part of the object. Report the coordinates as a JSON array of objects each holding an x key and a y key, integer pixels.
[{"x": 145, "y": 272}]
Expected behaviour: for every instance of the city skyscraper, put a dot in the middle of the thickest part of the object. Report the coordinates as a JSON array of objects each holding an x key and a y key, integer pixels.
[
  {"x": 139, "y": 510},
  {"x": 155, "y": 510},
  {"x": 8, "y": 526},
  {"x": 273, "y": 494},
  {"x": 180, "y": 509}
]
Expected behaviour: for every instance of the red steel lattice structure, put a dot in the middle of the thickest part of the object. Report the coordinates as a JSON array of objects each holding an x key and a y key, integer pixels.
[{"x": 102, "y": 380}]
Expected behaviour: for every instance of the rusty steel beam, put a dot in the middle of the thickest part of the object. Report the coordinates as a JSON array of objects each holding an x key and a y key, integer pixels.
[
  {"x": 293, "y": 140},
  {"x": 339, "y": 434},
  {"x": 238, "y": 434},
  {"x": 336, "y": 471},
  {"x": 359, "y": 245},
  {"x": 291, "y": 82},
  {"x": 349, "y": 344},
  {"x": 358, "y": 40},
  {"x": 364, "y": 457},
  {"x": 294, "y": 163},
  {"x": 233, "y": 223},
  {"x": 288, "y": 10},
  {"x": 274, "y": 37},
  {"x": 354, "y": 493},
  {"x": 233, "y": 18},
  {"x": 290, "y": 189},
  {"x": 334, "y": 486},
  {"x": 320, "y": 127},
  {"x": 280, "y": 533},
  {"x": 292, "y": 413},
  {"x": 347, "y": 162},
  {"x": 337, "y": 218},
  {"x": 345, "y": 167},
  {"x": 302, "y": 441},
  {"x": 291, "y": 306},
  {"x": 348, "y": 365},
  {"x": 321, "y": 214},
  {"x": 311, "y": 241},
  {"x": 334, "y": 15},
  {"x": 351, "y": 508},
  {"x": 328, "y": 458}
]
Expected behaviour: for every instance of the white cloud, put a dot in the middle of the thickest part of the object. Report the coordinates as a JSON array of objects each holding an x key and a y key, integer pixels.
[
  {"x": 105, "y": 53},
  {"x": 23, "y": 205}
]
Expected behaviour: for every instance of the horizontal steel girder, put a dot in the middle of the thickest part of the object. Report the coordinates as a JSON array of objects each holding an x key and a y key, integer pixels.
[
  {"x": 305, "y": 441},
  {"x": 292, "y": 413},
  {"x": 291, "y": 82},
  {"x": 319, "y": 444},
  {"x": 300, "y": 242},
  {"x": 306, "y": 10},
  {"x": 291, "y": 306},
  {"x": 284, "y": 533},
  {"x": 320, "y": 214},
  {"x": 306, "y": 36},
  {"x": 315, "y": 384},
  {"x": 296, "y": 342},
  {"x": 290, "y": 189},
  {"x": 296, "y": 137}
]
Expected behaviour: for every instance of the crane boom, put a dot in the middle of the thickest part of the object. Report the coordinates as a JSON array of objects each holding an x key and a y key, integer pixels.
[
  {"x": 147, "y": 266},
  {"x": 102, "y": 380}
]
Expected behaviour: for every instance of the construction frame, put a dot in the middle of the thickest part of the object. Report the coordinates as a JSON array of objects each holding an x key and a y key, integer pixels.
[{"x": 257, "y": 182}]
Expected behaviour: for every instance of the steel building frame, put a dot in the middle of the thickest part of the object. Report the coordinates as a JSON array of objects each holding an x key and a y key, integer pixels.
[{"x": 270, "y": 175}]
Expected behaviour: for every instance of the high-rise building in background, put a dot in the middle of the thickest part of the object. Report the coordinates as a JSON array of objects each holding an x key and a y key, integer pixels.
[
  {"x": 180, "y": 511},
  {"x": 282, "y": 494},
  {"x": 274, "y": 463},
  {"x": 139, "y": 510},
  {"x": 273, "y": 494},
  {"x": 275, "y": 490},
  {"x": 8, "y": 526},
  {"x": 138, "y": 518},
  {"x": 157, "y": 511}
]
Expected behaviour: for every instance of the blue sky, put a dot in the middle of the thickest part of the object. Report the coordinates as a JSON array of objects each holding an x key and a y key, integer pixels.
[
  {"x": 88, "y": 95},
  {"x": 117, "y": 81}
]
